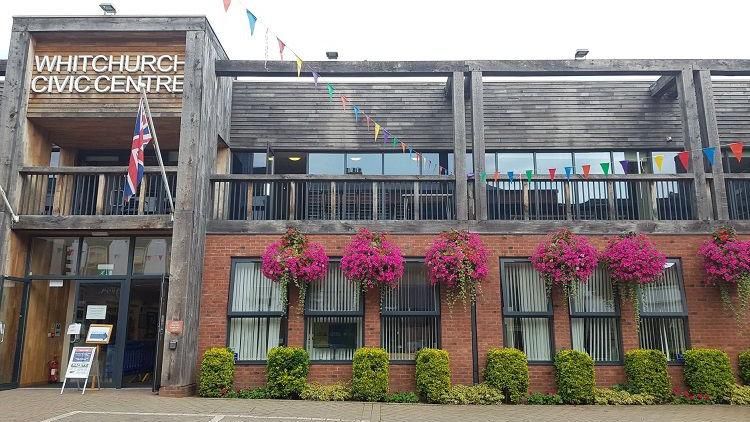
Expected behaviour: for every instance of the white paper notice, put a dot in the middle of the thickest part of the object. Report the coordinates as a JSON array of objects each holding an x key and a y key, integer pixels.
[{"x": 96, "y": 312}]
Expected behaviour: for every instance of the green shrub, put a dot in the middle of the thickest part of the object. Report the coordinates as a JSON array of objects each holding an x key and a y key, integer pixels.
[
  {"x": 286, "y": 372},
  {"x": 545, "y": 399},
  {"x": 253, "y": 393},
  {"x": 707, "y": 371},
  {"x": 574, "y": 373},
  {"x": 739, "y": 395},
  {"x": 333, "y": 392},
  {"x": 647, "y": 373},
  {"x": 508, "y": 371},
  {"x": 370, "y": 374},
  {"x": 744, "y": 363},
  {"x": 433, "y": 375},
  {"x": 216, "y": 378},
  {"x": 472, "y": 394},
  {"x": 402, "y": 397},
  {"x": 619, "y": 397}
]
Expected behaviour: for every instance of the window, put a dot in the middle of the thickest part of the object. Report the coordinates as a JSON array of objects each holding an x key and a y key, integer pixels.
[
  {"x": 364, "y": 163},
  {"x": 671, "y": 164},
  {"x": 54, "y": 256},
  {"x": 410, "y": 315},
  {"x": 256, "y": 314},
  {"x": 595, "y": 318},
  {"x": 399, "y": 164},
  {"x": 527, "y": 310},
  {"x": 323, "y": 163},
  {"x": 553, "y": 160},
  {"x": 594, "y": 159},
  {"x": 664, "y": 314},
  {"x": 333, "y": 317},
  {"x": 102, "y": 256},
  {"x": 517, "y": 162},
  {"x": 151, "y": 255}
]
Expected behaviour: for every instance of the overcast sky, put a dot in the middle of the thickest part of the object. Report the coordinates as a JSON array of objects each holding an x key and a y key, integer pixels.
[{"x": 443, "y": 30}]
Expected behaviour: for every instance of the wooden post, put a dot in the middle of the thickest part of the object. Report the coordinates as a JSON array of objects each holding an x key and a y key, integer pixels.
[
  {"x": 292, "y": 200},
  {"x": 100, "y": 185},
  {"x": 568, "y": 200},
  {"x": 692, "y": 140},
  {"x": 333, "y": 200},
  {"x": 249, "y": 201},
  {"x": 459, "y": 145},
  {"x": 526, "y": 207},
  {"x": 374, "y": 200},
  {"x": 417, "y": 200},
  {"x": 710, "y": 136},
  {"x": 653, "y": 200},
  {"x": 477, "y": 133},
  {"x": 60, "y": 184},
  {"x": 611, "y": 207},
  {"x": 142, "y": 195}
]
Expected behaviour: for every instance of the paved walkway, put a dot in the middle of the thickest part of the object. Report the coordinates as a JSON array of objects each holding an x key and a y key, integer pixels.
[{"x": 142, "y": 406}]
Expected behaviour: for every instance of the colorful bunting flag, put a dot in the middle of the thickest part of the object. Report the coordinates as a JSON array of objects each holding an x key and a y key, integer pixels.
[
  {"x": 552, "y": 172},
  {"x": 736, "y": 148},
  {"x": 299, "y": 66},
  {"x": 625, "y": 166},
  {"x": 403, "y": 147},
  {"x": 497, "y": 176},
  {"x": 394, "y": 142},
  {"x": 251, "y": 19},
  {"x": 710, "y": 153},
  {"x": 586, "y": 170},
  {"x": 377, "y": 130},
  {"x": 330, "y": 91},
  {"x": 356, "y": 113},
  {"x": 410, "y": 152},
  {"x": 659, "y": 161},
  {"x": 386, "y": 136},
  {"x": 315, "y": 76},
  {"x": 226, "y": 4},
  {"x": 343, "y": 102},
  {"x": 568, "y": 172},
  {"x": 419, "y": 156},
  {"x": 367, "y": 117},
  {"x": 281, "y": 48},
  {"x": 605, "y": 168},
  {"x": 483, "y": 177},
  {"x": 510, "y": 176},
  {"x": 684, "y": 157},
  {"x": 529, "y": 175}
]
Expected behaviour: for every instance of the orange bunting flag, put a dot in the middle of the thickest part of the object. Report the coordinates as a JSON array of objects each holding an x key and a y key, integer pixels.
[
  {"x": 552, "y": 174},
  {"x": 586, "y": 170},
  {"x": 403, "y": 147},
  {"x": 343, "y": 102},
  {"x": 377, "y": 130},
  {"x": 497, "y": 176},
  {"x": 684, "y": 157},
  {"x": 737, "y": 148},
  {"x": 281, "y": 48}
]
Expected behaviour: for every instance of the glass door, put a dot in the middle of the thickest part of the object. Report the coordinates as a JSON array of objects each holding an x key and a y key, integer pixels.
[{"x": 11, "y": 314}]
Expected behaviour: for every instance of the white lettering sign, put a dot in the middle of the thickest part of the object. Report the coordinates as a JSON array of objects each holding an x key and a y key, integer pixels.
[
  {"x": 80, "y": 362},
  {"x": 96, "y": 312},
  {"x": 119, "y": 74}
]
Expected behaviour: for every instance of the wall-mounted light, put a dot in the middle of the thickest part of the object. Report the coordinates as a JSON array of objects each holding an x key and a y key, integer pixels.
[
  {"x": 355, "y": 158},
  {"x": 108, "y": 9},
  {"x": 581, "y": 53}
]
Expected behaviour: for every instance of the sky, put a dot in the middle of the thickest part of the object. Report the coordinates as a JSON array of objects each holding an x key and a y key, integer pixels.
[{"x": 447, "y": 30}]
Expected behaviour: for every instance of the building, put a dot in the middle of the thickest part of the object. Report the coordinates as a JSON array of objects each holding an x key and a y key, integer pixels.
[{"x": 247, "y": 158}]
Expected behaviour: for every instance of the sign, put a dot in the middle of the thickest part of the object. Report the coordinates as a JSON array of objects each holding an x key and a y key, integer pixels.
[
  {"x": 96, "y": 312},
  {"x": 175, "y": 327},
  {"x": 99, "y": 73},
  {"x": 99, "y": 333},
  {"x": 55, "y": 283},
  {"x": 105, "y": 269},
  {"x": 81, "y": 360},
  {"x": 74, "y": 329}
]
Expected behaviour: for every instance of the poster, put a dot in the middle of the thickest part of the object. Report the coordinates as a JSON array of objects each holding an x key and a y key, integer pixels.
[
  {"x": 81, "y": 360},
  {"x": 99, "y": 333},
  {"x": 96, "y": 312}
]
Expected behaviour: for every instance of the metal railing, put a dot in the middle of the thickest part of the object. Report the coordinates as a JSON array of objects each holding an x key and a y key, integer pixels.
[
  {"x": 738, "y": 196},
  {"x": 346, "y": 197},
  {"x": 599, "y": 197},
  {"x": 64, "y": 191}
]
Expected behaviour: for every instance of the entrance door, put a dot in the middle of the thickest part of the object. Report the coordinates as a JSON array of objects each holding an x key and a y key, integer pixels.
[
  {"x": 139, "y": 367},
  {"x": 162, "y": 328},
  {"x": 11, "y": 314}
]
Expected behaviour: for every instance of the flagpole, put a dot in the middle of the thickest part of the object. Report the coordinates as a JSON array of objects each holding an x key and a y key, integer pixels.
[
  {"x": 158, "y": 151},
  {"x": 13, "y": 215}
]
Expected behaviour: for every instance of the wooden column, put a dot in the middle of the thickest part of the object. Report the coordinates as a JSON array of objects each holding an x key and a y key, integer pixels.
[
  {"x": 477, "y": 133},
  {"x": 692, "y": 140},
  {"x": 459, "y": 145},
  {"x": 710, "y": 135}
]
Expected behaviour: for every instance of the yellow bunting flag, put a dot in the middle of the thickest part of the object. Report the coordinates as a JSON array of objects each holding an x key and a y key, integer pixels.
[
  {"x": 659, "y": 161},
  {"x": 377, "y": 130},
  {"x": 299, "y": 66}
]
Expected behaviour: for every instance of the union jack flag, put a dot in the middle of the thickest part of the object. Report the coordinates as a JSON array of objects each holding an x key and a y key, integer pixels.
[{"x": 141, "y": 138}]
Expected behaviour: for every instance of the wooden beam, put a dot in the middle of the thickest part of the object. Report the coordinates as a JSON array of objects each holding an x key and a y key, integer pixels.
[
  {"x": 109, "y": 23},
  {"x": 692, "y": 140},
  {"x": 665, "y": 85},
  {"x": 477, "y": 141},
  {"x": 448, "y": 90},
  {"x": 339, "y": 68},
  {"x": 459, "y": 146},
  {"x": 710, "y": 135},
  {"x": 93, "y": 222}
]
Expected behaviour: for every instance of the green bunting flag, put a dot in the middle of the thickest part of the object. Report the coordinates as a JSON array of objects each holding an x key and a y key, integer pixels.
[
  {"x": 330, "y": 91},
  {"x": 529, "y": 175},
  {"x": 605, "y": 168}
]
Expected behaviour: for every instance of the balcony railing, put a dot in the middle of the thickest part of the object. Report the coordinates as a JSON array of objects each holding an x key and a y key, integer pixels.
[
  {"x": 618, "y": 197},
  {"x": 738, "y": 196},
  {"x": 346, "y": 197},
  {"x": 65, "y": 191}
]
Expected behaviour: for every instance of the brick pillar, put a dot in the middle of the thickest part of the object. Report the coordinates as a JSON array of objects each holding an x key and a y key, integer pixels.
[
  {"x": 372, "y": 318},
  {"x": 561, "y": 320},
  {"x": 455, "y": 333},
  {"x": 295, "y": 320}
]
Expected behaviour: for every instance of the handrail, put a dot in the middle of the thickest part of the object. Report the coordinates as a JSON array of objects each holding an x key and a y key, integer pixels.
[
  {"x": 90, "y": 169},
  {"x": 335, "y": 177}
]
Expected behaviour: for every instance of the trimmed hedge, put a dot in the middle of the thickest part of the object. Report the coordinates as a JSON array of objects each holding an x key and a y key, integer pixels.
[
  {"x": 647, "y": 373},
  {"x": 707, "y": 371},
  {"x": 473, "y": 394},
  {"x": 433, "y": 375},
  {"x": 606, "y": 396},
  {"x": 286, "y": 372},
  {"x": 216, "y": 378},
  {"x": 370, "y": 374},
  {"x": 319, "y": 392},
  {"x": 574, "y": 373},
  {"x": 508, "y": 372},
  {"x": 744, "y": 363}
]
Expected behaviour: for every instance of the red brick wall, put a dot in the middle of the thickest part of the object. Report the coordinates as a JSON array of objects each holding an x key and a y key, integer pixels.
[{"x": 709, "y": 325}]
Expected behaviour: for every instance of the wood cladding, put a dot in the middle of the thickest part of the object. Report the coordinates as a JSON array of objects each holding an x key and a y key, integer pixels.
[{"x": 95, "y": 104}]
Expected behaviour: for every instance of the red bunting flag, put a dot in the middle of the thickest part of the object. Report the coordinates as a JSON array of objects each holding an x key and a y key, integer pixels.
[
  {"x": 281, "y": 48},
  {"x": 497, "y": 176},
  {"x": 737, "y": 148},
  {"x": 586, "y": 170},
  {"x": 226, "y": 4},
  {"x": 343, "y": 102},
  {"x": 684, "y": 157},
  {"x": 552, "y": 174}
]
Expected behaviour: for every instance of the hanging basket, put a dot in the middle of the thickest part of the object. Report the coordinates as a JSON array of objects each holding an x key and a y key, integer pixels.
[
  {"x": 564, "y": 260},
  {"x": 457, "y": 260},
  {"x": 370, "y": 260},
  {"x": 726, "y": 261}
]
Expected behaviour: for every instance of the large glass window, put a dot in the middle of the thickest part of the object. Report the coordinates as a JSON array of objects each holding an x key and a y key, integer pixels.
[
  {"x": 410, "y": 315},
  {"x": 246, "y": 162},
  {"x": 333, "y": 317},
  {"x": 517, "y": 162},
  {"x": 399, "y": 164},
  {"x": 553, "y": 160},
  {"x": 256, "y": 313},
  {"x": 635, "y": 162},
  {"x": 102, "y": 256},
  {"x": 594, "y": 159},
  {"x": 663, "y": 314},
  {"x": 670, "y": 165},
  {"x": 54, "y": 256},
  {"x": 323, "y": 163},
  {"x": 469, "y": 160},
  {"x": 363, "y": 163},
  {"x": 595, "y": 318},
  {"x": 731, "y": 165},
  {"x": 151, "y": 255},
  {"x": 527, "y": 311}
]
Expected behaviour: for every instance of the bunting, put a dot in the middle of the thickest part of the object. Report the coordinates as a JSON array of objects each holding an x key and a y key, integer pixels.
[
  {"x": 710, "y": 153},
  {"x": 355, "y": 109},
  {"x": 552, "y": 173},
  {"x": 377, "y": 130},
  {"x": 386, "y": 136},
  {"x": 299, "y": 66},
  {"x": 529, "y": 175},
  {"x": 605, "y": 168},
  {"x": 497, "y": 176},
  {"x": 684, "y": 157},
  {"x": 737, "y": 148},
  {"x": 659, "y": 161},
  {"x": 315, "y": 76},
  {"x": 510, "y": 176},
  {"x": 343, "y": 102},
  {"x": 625, "y": 166},
  {"x": 586, "y": 170},
  {"x": 330, "y": 91},
  {"x": 568, "y": 172},
  {"x": 251, "y": 20},
  {"x": 394, "y": 142},
  {"x": 226, "y": 5},
  {"x": 281, "y": 48}
]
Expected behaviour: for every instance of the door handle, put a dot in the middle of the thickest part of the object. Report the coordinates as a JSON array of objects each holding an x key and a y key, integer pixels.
[{"x": 2, "y": 331}]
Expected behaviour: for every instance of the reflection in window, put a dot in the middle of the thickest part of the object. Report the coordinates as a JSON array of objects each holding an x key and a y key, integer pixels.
[
  {"x": 244, "y": 162},
  {"x": 634, "y": 162},
  {"x": 553, "y": 160},
  {"x": 103, "y": 256},
  {"x": 431, "y": 163},
  {"x": 469, "y": 163},
  {"x": 363, "y": 163},
  {"x": 594, "y": 159},
  {"x": 151, "y": 255},
  {"x": 399, "y": 164},
  {"x": 54, "y": 256},
  {"x": 527, "y": 311},
  {"x": 671, "y": 164},
  {"x": 323, "y": 163},
  {"x": 517, "y": 162}
]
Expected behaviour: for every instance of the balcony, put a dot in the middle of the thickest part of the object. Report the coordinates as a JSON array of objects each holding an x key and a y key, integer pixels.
[{"x": 738, "y": 196}]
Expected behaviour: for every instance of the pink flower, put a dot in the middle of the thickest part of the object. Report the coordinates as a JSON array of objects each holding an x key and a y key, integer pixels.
[
  {"x": 457, "y": 260},
  {"x": 295, "y": 259},
  {"x": 371, "y": 260},
  {"x": 633, "y": 259},
  {"x": 565, "y": 259},
  {"x": 725, "y": 258}
]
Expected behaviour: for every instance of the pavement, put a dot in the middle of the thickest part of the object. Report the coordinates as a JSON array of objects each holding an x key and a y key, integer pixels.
[{"x": 141, "y": 405}]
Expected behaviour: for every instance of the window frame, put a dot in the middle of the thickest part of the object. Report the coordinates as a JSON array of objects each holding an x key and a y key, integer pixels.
[
  {"x": 284, "y": 329},
  {"x": 520, "y": 315},
  {"x": 436, "y": 314},
  {"x": 671, "y": 315},
  {"x": 616, "y": 315},
  {"x": 307, "y": 314}
]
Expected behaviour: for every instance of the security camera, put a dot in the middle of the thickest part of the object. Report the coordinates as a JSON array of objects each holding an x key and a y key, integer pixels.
[{"x": 669, "y": 139}]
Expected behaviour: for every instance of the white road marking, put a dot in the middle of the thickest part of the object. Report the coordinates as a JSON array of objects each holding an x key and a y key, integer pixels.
[
  {"x": 63, "y": 416},
  {"x": 216, "y": 418}
]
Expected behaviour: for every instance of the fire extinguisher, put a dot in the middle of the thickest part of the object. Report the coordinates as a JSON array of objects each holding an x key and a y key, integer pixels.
[{"x": 53, "y": 366}]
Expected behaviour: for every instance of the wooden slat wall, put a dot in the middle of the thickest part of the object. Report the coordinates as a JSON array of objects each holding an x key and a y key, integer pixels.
[
  {"x": 732, "y": 102},
  {"x": 56, "y": 104}
]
